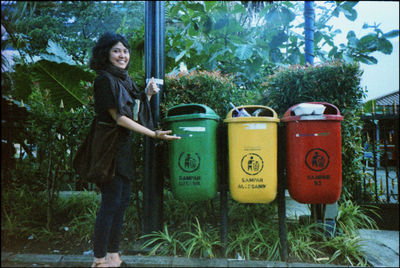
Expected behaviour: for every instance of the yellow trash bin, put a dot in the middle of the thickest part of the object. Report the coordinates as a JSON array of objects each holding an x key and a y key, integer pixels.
[{"x": 253, "y": 163}]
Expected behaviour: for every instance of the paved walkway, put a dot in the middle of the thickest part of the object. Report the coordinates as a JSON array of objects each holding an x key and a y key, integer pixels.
[
  {"x": 37, "y": 260},
  {"x": 381, "y": 248}
]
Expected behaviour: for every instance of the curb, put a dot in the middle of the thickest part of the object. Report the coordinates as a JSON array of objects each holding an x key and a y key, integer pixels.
[{"x": 35, "y": 260}]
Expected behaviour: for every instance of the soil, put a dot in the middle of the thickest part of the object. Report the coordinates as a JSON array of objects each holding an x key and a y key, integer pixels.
[
  {"x": 59, "y": 246},
  {"x": 45, "y": 247}
]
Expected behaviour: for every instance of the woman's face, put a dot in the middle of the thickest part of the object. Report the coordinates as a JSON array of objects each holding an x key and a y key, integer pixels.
[{"x": 119, "y": 55}]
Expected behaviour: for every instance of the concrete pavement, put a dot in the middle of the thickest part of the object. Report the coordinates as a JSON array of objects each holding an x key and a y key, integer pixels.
[
  {"x": 380, "y": 247},
  {"x": 39, "y": 260}
]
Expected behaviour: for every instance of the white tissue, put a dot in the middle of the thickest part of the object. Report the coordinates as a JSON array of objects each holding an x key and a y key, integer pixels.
[{"x": 309, "y": 109}]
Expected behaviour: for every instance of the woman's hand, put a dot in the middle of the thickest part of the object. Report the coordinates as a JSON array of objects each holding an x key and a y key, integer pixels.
[
  {"x": 164, "y": 135},
  {"x": 151, "y": 88},
  {"x": 128, "y": 123}
]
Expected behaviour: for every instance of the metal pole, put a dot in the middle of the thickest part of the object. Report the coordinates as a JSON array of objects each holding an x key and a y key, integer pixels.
[
  {"x": 281, "y": 192},
  {"x": 154, "y": 65},
  {"x": 223, "y": 187},
  {"x": 309, "y": 18},
  {"x": 385, "y": 158}
]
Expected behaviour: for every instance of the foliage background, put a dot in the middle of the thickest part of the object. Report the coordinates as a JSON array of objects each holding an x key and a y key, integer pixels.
[
  {"x": 235, "y": 51},
  {"x": 336, "y": 83},
  {"x": 230, "y": 48}
]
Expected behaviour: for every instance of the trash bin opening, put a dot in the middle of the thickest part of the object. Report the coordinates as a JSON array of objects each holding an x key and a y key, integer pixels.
[
  {"x": 328, "y": 110},
  {"x": 255, "y": 111},
  {"x": 187, "y": 109}
]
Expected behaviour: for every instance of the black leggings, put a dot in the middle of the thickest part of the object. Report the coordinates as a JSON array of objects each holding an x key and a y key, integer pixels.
[{"x": 115, "y": 197}]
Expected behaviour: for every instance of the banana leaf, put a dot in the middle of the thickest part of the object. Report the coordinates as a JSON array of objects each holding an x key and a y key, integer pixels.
[{"x": 63, "y": 82}]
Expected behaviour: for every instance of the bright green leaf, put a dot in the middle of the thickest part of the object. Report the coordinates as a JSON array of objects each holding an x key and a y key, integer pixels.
[
  {"x": 244, "y": 52},
  {"x": 221, "y": 23},
  {"x": 275, "y": 55},
  {"x": 209, "y": 5},
  {"x": 179, "y": 57},
  {"x": 368, "y": 42},
  {"x": 385, "y": 46},
  {"x": 207, "y": 25},
  {"x": 278, "y": 39},
  {"x": 368, "y": 59}
]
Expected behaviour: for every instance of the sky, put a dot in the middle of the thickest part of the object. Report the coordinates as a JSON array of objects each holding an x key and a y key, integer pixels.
[{"x": 383, "y": 77}]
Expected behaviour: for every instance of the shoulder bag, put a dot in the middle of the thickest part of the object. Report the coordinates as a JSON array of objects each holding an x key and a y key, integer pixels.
[{"x": 95, "y": 159}]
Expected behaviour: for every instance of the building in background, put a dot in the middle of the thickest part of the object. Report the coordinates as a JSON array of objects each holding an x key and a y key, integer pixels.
[{"x": 381, "y": 129}]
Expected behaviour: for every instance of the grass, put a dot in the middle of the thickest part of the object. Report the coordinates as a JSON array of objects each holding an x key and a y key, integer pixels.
[{"x": 190, "y": 229}]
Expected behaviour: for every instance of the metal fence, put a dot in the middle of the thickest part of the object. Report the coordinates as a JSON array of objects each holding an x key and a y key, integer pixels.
[{"x": 380, "y": 160}]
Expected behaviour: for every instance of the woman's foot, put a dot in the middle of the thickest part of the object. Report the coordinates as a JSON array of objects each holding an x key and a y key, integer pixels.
[
  {"x": 114, "y": 260},
  {"x": 100, "y": 262}
]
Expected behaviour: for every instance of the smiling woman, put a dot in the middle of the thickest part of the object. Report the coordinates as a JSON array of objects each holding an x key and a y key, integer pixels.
[{"x": 116, "y": 99}]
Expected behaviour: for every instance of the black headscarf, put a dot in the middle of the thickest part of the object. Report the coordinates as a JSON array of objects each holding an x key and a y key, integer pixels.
[{"x": 124, "y": 80}]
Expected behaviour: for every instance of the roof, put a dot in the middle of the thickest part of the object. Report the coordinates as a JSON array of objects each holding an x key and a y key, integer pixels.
[{"x": 388, "y": 99}]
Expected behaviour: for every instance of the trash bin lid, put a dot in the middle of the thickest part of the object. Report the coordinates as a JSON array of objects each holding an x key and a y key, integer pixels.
[
  {"x": 312, "y": 111},
  {"x": 266, "y": 114},
  {"x": 190, "y": 112}
]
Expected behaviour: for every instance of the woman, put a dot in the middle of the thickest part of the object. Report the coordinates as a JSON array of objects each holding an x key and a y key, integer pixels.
[{"x": 116, "y": 98}]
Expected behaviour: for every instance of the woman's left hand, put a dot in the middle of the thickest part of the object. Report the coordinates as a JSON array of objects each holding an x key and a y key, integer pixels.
[
  {"x": 164, "y": 135},
  {"x": 152, "y": 88}
]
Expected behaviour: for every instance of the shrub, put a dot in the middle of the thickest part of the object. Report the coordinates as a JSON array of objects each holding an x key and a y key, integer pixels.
[
  {"x": 336, "y": 83},
  {"x": 212, "y": 89}
]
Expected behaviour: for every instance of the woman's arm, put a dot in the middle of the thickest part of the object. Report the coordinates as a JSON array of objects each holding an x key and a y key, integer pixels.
[{"x": 128, "y": 123}]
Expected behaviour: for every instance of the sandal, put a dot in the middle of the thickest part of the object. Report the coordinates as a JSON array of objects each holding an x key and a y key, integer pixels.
[
  {"x": 100, "y": 264},
  {"x": 122, "y": 264}
]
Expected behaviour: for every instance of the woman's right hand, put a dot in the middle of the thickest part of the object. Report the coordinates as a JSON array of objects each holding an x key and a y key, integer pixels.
[
  {"x": 151, "y": 88},
  {"x": 164, "y": 135}
]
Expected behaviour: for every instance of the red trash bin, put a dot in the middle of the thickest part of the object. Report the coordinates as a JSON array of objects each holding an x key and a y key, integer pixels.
[{"x": 313, "y": 152}]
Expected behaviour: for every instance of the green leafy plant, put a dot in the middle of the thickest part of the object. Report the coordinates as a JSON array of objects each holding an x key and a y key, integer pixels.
[
  {"x": 240, "y": 243},
  {"x": 347, "y": 243},
  {"x": 209, "y": 88},
  {"x": 259, "y": 240},
  {"x": 22, "y": 213},
  {"x": 212, "y": 89},
  {"x": 201, "y": 241},
  {"x": 303, "y": 241},
  {"x": 352, "y": 217},
  {"x": 163, "y": 243},
  {"x": 63, "y": 82},
  {"x": 252, "y": 237},
  {"x": 346, "y": 247},
  {"x": 75, "y": 215}
]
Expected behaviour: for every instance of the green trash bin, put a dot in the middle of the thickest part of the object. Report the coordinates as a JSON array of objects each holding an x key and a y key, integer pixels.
[{"x": 193, "y": 158}]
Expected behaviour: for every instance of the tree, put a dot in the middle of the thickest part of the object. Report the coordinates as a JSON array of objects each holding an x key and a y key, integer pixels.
[
  {"x": 73, "y": 25},
  {"x": 229, "y": 37},
  {"x": 248, "y": 40},
  {"x": 54, "y": 41}
]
